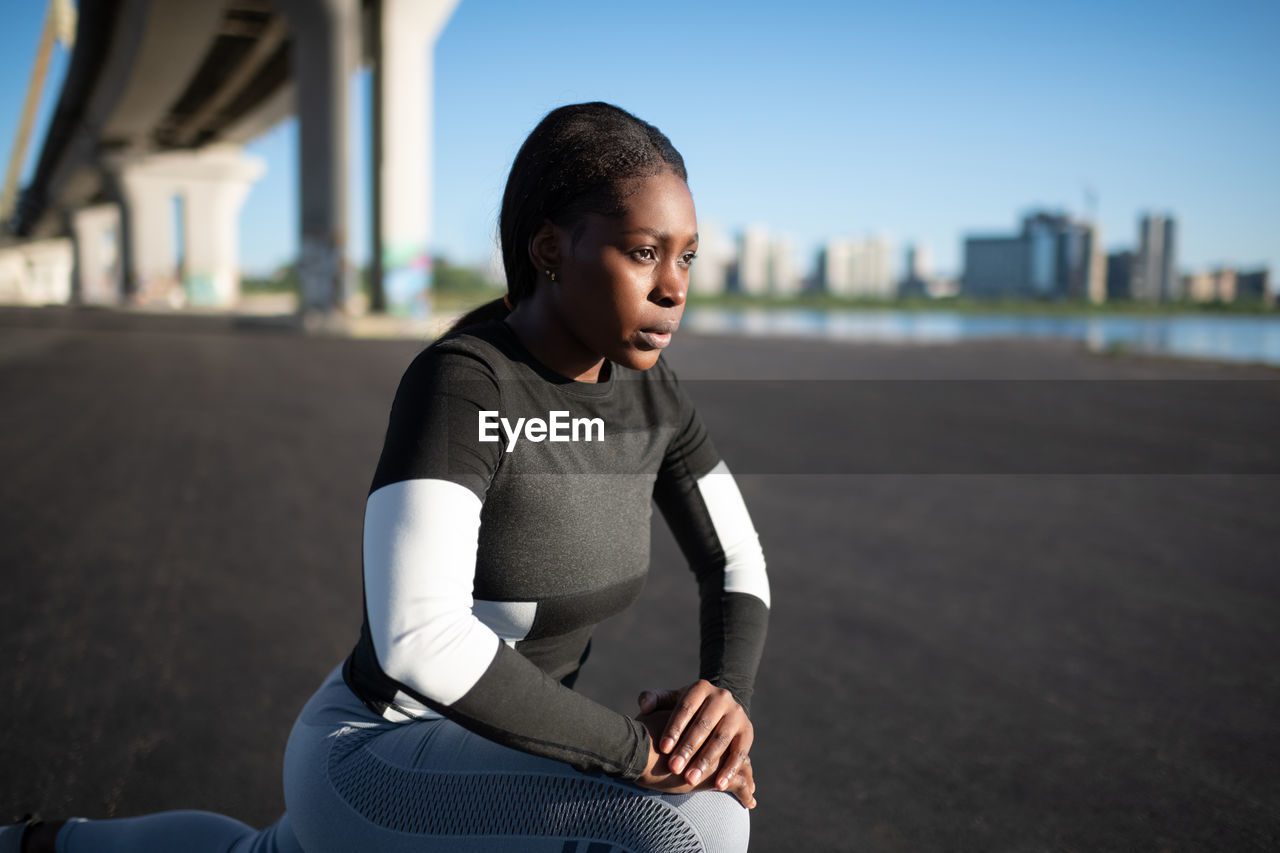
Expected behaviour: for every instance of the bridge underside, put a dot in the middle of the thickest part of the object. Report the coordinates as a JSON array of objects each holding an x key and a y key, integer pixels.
[{"x": 159, "y": 97}]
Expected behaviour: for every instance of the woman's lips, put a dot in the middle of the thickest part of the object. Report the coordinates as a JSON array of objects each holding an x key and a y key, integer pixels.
[{"x": 658, "y": 335}]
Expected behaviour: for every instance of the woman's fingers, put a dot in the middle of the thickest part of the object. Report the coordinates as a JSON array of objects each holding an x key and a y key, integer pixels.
[
  {"x": 659, "y": 777},
  {"x": 743, "y": 786},
  {"x": 707, "y": 737},
  {"x": 732, "y": 764},
  {"x": 708, "y": 757},
  {"x": 706, "y": 721},
  {"x": 687, "y": 728}
]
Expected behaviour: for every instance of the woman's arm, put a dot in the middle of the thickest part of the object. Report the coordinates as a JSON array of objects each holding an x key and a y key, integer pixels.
[
  {"x": 709, "y": 520},
  {"x": 704, "y": 508}
]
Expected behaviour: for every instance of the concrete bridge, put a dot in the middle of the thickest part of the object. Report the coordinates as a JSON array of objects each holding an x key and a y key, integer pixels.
[{"x": 140, "y": 181}]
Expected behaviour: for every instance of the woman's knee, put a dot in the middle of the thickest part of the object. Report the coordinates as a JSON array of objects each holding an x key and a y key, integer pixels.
[{"x": 723, "y": 825}]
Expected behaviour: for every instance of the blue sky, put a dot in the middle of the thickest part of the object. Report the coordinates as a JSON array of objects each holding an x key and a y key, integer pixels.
[{"x": 921, "y": 121}]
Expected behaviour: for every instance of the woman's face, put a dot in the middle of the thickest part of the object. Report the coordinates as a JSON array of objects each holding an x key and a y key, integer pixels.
[{"x": 621, "y": 282}]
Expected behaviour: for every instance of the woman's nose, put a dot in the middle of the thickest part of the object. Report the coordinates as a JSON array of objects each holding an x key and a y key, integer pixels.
[{"x": 672, "y": 286}]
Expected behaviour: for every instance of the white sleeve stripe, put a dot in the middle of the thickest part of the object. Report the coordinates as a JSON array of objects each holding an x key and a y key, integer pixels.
[
  {"x": 510, "y": 620},
  {"x": 419, "y": 566},
  {"x": 744, "y": 561}
]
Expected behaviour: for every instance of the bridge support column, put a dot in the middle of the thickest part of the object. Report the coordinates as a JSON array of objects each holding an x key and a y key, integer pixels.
[
  {"x": 325, "y": 40},
  {"x": 404, "y": 36},
  {"x": 182, "y": 209},
  {"x": 96, "y": 236},
  {"x": 151, "y": 262}
]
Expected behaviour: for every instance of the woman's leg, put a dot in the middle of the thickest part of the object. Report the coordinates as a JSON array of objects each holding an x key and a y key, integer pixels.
[
  {"x": 355, "y": 781},
  {"x": 179, "y": 830}
]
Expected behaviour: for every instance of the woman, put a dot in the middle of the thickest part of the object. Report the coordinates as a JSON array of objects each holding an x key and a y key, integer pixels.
[{"x": 509, "y": 514}]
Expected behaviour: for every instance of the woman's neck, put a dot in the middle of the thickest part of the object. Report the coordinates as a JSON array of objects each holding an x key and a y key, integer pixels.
[{"x": 550, "y": 342}]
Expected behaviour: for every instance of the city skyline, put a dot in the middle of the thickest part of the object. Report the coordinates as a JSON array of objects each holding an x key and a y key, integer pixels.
[
  {"x": 922, "y": 123},
  {"x": 1054, "y": 255}
]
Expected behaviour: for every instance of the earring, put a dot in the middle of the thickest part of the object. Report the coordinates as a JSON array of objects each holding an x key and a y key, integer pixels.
[{"x": 550, "y": 275}]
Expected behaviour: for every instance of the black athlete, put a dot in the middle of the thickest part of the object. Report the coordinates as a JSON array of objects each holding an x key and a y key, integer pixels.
[
  {"x": 546, "y": 540},
  {"x": 508, "y": 515}
]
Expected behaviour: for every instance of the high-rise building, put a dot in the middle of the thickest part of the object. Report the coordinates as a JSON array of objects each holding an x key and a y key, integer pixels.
[
  {"x": 919, "y": 262},
  {"x": 1227, "y": 284},
  {"x": 1155, "y": 269},
  {"x": 996, "y": 267},
  {"x": 1256, "y": 285},
  {"x": 1217, "y": 285},
  {"x": 862, "y": 268},
  {"x": 1119, "y": 275},
  {"x": 871, "y": 268},
  {"x": 753, "y": 260},
  {"x": 709, "y": 275},
  {"x": 1095, "y": 264},
  {"x": 834, "y": 268},
  {"x": 1054, "y": 257},
  {"x": 915, "y": 281},
  {"x": 784, "y": 278}
]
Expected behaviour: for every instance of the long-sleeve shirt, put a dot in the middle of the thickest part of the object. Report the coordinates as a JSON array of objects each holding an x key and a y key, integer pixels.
[{"x": 493, "y": 546}]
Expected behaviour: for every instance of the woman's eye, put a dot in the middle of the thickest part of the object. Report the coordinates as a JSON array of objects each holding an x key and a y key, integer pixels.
[
  {"x": 687, "y": 258},
  {"x": 645, "y": 254}
]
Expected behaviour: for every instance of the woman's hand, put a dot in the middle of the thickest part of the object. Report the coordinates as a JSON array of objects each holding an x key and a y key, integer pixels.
[
  {"x": 705, "y": 733},
  {"x": 658, "y": 776}
]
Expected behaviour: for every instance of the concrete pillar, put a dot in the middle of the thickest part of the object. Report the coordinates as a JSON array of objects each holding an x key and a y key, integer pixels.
[
  {"x": 405, "y": 36},
  {"x": 325, "y": 40},
  {"x": 211, "y": 185},
  {"x": 152, "y": 254},
  {"x": 212, "y": 268},
  {"x": 36, "y": 272},
  {"x": 96, "y": 235}
]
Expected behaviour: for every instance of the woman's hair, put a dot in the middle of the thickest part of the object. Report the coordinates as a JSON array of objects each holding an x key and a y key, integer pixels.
[{"x": 580, "y": 159}]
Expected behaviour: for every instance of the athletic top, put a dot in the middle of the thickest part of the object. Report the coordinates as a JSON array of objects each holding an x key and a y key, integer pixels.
[{"x": 488, "y": 563}]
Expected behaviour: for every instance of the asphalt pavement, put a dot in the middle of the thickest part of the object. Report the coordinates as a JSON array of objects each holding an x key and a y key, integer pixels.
[{"x": 1026, "y": 596}]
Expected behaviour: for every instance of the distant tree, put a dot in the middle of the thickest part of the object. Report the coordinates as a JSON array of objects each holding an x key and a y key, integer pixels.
[
  {"x": 283, "y": 280},
  {"x": 453, "y": 280}
]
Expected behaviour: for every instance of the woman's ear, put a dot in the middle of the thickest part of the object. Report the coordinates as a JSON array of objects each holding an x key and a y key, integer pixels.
[{"x": 544, "y": 247}]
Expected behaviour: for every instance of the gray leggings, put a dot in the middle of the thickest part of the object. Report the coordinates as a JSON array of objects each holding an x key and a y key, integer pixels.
[{"x": 353, "y": 781}]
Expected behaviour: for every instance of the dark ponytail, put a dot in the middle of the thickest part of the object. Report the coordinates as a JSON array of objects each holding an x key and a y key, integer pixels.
[
  {"x": 580, "y": 159},
  {"x": 495, "y": 309}
]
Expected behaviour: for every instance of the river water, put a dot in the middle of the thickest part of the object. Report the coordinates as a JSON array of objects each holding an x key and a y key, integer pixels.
[{"x": 1232, "y": 338}]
